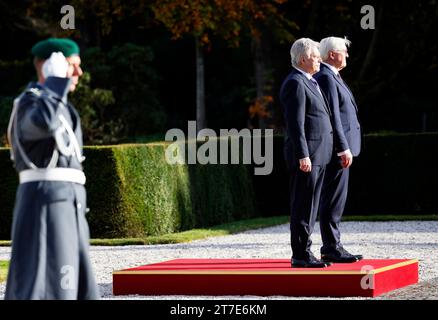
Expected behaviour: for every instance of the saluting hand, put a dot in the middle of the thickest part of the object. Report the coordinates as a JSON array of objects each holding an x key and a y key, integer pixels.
[{"x": 55, "y": 66}]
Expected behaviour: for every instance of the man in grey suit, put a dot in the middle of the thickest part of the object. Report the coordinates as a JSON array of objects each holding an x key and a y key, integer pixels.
[
  {"x": 347, "y": 128},
  {"x": 50, "y": 236},
  {"x": 308, "y": 147}
]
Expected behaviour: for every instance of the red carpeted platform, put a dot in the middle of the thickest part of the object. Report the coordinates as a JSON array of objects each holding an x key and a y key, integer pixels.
[{"x": 265, "y": 277}]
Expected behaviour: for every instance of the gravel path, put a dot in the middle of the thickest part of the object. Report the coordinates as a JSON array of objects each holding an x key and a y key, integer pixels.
[{"x": 380, "y": 240}]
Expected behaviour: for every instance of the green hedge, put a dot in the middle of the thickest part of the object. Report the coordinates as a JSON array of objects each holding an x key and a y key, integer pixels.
[
  {"x": 8, "y": 185},
  {"x": 394, "y": 174},
  {"x": 133, "y": 192}
]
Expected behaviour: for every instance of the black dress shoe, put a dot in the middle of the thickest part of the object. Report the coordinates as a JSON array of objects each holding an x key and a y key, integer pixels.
[
  {"x": 310, "y": 262},
  {"x": 340, "y": 255}
]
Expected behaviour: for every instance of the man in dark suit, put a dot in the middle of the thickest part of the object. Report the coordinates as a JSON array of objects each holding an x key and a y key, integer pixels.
[
  {"x": 347, "y": 128},
  {"x": 308, "y": 147}
]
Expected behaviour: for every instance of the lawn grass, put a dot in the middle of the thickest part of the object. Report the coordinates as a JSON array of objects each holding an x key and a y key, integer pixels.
[
  {"x": 235, "y": 227},
  {"x": 190, "y": 235},
  {"x": 195, "y": 234},
  {"x": 3, "y": 270},
  {"x": 392, "y": 217}
]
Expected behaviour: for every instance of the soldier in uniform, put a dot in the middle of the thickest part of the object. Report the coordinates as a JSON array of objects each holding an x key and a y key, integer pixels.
[{"x": 50, "y": 235}]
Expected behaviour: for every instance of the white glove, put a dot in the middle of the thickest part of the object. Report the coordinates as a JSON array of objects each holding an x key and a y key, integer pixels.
[{"x": 55, "y": 66}]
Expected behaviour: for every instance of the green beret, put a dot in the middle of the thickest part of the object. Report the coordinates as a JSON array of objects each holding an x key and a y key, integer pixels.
[{"x": 45, "y": 48}]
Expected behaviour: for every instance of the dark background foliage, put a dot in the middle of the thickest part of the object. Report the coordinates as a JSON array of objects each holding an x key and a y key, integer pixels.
[
  {"x": 134, "y": 192},
  {"x": 141, "y": 82}
]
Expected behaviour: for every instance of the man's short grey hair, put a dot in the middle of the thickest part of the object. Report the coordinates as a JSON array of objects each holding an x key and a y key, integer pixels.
[
  {"x": 301, "y": 47},
  {"x": 332, "y": 44}
]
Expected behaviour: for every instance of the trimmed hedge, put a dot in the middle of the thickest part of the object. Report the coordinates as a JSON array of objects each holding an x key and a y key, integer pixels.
[
  {"x": 8, "y": 185},
  {"x": 394, "y": 174},
  {"x": 133, "y": 192}
]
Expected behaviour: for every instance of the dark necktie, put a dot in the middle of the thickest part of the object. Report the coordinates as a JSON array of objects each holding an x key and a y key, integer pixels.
[{"x": 315, "y": 83}]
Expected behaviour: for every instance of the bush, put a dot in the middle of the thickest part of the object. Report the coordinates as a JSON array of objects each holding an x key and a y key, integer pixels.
[
  {"x": 127, "y": 71},
  {"x": 8, "y": 183},
  {"x": 133, "y": 192},
  {"x": 6, "y": 104},
  {"x": 394, "y": 174},
  {"x": 91, "y": 103}
]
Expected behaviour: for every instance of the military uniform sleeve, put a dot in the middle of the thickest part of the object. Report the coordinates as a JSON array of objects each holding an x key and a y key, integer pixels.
[{"x": 38, "y": 114}]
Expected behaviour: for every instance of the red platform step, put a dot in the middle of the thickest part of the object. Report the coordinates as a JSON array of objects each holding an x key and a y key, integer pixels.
[{"x": 265, "y": 277}]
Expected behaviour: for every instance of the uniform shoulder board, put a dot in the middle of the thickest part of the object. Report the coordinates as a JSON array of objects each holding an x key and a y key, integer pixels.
[{"x": 34, "y": 91}]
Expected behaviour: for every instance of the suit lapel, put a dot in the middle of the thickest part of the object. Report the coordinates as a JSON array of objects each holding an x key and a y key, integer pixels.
[
  {"x": 308, "y": 84},
  {"x": 316, "y": 92},
  {"x": 351, "y": 95},
  {"x": 346, "y": 87},
  {"x": 326, "y": 104},
  {"x": 312, "y": 87}
]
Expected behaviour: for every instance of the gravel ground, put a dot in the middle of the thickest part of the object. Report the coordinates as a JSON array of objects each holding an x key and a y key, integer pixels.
[{"x": 380, "y": 240}]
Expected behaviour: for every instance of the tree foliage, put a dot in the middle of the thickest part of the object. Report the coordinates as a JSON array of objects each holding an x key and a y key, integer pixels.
[
  {"x": 91, "y": 104},
  {"x": 223, "y": 18},
  {"x": 128, "y": 73},
  {"x": 392, "y": 70}
]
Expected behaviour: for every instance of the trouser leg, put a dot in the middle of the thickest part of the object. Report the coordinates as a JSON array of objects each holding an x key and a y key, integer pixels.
[
  {"x": 333, "y": 199},
  {"x": 304, "y": 202}
]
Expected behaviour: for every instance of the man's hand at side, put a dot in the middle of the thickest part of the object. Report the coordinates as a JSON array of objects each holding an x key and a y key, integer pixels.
[
  {"x": 305, "y": 164},
  {"x": 346, "y": 159}
]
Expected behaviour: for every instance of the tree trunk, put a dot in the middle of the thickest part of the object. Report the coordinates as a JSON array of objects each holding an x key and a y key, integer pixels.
[
  {"x": 372, "y": 47},
  {"x": 424, "y": 121},
  {"x": 312, "y": 25},
  {"x": 200, "y": 89},
  {"x": 260, "y": 75}
]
